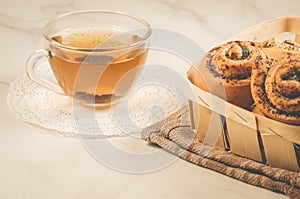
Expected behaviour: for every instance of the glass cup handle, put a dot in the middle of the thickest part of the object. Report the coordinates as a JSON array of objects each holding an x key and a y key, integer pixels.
[{"x": 32, "y": 74}]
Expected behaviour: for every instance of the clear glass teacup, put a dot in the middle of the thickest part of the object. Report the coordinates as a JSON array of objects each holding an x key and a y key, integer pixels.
[{"x": 95, "y": 56}]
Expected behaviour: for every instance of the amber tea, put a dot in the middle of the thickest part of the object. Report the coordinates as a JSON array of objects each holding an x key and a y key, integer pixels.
[
  {"x": 95, "y": 55},
  {"x": 91, "y": 74}
]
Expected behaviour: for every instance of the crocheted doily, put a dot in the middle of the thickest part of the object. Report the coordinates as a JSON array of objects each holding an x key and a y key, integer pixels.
[{"x": 157, "y": 93}]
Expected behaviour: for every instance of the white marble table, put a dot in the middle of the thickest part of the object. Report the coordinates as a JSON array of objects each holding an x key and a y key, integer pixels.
[{"x": 38, "y": 164}]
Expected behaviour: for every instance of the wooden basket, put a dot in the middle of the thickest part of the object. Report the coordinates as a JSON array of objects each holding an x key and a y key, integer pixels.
[{"x": 241, "y": 131}]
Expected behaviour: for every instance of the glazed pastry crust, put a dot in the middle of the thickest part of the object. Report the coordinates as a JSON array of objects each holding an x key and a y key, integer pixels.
[
  {"x": 275, "y": 88},
  {"x": 225, "y": 71},
  {"x": 279, "y": 50}
]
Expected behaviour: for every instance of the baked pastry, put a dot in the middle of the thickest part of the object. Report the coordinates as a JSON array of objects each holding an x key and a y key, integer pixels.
[
  {"x": 279, "y": 50},
  {"x": 225, "y": 71},
  {"x": 275, "y": 87}
]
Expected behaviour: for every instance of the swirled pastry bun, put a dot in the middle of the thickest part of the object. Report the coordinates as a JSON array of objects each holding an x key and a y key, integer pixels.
[
  {"x": 225, "y": 71},
  {"x": 275, "y": 88}
]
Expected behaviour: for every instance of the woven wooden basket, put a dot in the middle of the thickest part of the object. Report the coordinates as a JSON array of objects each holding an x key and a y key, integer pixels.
[{"x": 241, "y": 131}]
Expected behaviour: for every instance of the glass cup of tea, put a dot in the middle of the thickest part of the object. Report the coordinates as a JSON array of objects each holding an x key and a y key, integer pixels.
[{"x": 95, "y": 56}]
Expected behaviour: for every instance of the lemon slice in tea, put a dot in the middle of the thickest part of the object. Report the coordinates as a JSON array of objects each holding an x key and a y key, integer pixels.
[
  {"x": 96, "y": 38},
  {"x": 87, "y": 38}
]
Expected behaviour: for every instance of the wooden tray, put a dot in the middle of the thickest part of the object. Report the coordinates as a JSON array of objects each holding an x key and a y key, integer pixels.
[{"x": 241, "y": 131}]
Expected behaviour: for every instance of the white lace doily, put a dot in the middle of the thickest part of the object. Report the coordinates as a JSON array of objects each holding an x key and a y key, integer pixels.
[{"x": 157, "y": 93}]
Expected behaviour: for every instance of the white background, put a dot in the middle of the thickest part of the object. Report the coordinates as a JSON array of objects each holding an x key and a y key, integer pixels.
[{"x": 38, "y": 164}]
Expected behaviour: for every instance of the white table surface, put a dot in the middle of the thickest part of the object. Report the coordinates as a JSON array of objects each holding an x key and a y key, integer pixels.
[{"x": 38, "y": 164}]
